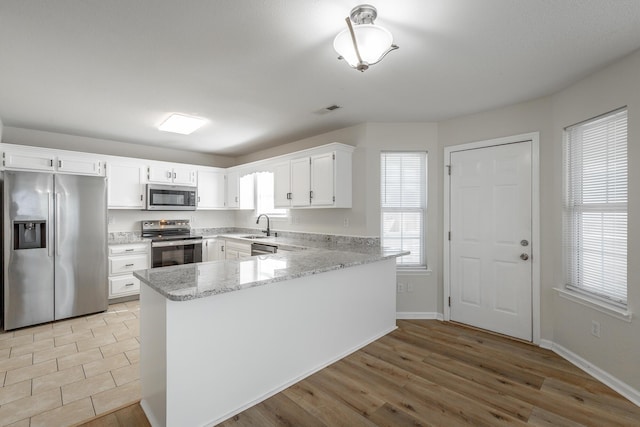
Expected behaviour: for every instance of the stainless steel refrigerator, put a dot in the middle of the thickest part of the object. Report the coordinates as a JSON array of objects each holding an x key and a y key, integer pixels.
[{"x": 54, "y": 247}]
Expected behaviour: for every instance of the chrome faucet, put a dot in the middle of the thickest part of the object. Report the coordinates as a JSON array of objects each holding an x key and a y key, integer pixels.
[{"x": 268, "y": 230}]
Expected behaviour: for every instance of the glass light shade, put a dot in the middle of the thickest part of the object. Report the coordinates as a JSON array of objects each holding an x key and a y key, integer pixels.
[
  {"x": 373, "y": 41},
  {"x": 181, "y": 123}
]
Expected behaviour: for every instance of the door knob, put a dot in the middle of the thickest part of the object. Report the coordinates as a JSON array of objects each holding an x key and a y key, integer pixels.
[{"x": 524, "y": 257}]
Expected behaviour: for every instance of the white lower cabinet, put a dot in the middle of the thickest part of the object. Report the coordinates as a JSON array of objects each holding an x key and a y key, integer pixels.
[
  {"x": 234, "y": 249},
  {"x": 123, "y": 261},
  {"x": 213, "y": 249}
]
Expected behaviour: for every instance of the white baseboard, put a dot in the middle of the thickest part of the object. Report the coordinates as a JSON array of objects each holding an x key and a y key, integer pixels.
[
  {"x": 425, "y": 315},
  {"x": 616, "y": 384}
]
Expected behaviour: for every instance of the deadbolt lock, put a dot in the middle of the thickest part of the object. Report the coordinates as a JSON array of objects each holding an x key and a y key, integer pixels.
[{"x": 524, "y": 243}]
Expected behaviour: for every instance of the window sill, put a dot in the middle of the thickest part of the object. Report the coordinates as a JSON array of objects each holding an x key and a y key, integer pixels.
[
  {"x": 413, "y": 271},
  {"x": 602, "y": 307}
]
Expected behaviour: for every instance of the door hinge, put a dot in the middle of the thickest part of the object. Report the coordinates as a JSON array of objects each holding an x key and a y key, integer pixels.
[
  {"x": 449, "y": 235},
  {"x": 449, "y": 301},
  {"x": 333, "y": 156},
  {"x": 449, "y": 169},
  {"x": 334, "y": 199},
  {"x": 309, "y": 160}
]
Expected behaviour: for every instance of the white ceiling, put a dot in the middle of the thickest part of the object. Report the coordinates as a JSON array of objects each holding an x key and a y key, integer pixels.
[{"x": 260, "y": 70}]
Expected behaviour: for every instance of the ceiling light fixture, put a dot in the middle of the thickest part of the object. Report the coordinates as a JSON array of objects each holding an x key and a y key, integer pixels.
[
  {"x": 364, "y": 44},
  {"x": 181, "y": 123}
]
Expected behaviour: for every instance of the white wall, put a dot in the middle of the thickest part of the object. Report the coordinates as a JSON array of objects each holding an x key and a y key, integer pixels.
[
  {"x": 564, "y": 322},
  {"x": 617, "y": 351},
  {"x": 129, "y": 220},
  {"x": 37, "y": 138}
]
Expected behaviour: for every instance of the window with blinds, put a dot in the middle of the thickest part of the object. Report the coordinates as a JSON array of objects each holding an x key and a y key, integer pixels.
[
  {"x": 403, "y": 204},
  {"x": 264, "y": 195},
  {"x": 595, "y": 208}
]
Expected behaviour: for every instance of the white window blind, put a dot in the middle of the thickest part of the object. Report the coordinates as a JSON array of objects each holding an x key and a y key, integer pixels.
[
  {"x": 595, "y": 209},
  {"x": 403, "y": 204}
]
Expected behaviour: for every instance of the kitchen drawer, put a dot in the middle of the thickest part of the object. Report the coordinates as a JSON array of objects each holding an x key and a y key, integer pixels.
[
  {"x": 132, "y": 248},
  {"x": 127, "y": 264},
  {"x": 123, "y": 285}
]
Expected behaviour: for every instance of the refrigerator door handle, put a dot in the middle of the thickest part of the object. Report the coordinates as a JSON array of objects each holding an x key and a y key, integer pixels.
[
  {"x": 57, "y": 222},
  {"x": 50, "y": 213}
]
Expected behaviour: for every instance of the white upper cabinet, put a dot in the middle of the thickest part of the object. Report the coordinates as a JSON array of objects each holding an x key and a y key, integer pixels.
[
  {"x": 322, "y": 179},
  {"x": 233, "y": 189},
  {"x": 43, "y": 159},
  {"x": 80, "y": 165},
  {"x": 211, "y": 189},
  {"x": 172, "y": 175},
  {"x": 18, "y": 159},
  {"x": 282, "y": 185},
  {"x": 240, "y": 190},
  {"x": 125, "y": 185},
  {"x": 300, "y": 182}
]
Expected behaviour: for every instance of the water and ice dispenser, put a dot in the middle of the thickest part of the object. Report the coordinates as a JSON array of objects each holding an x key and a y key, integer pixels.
[{"x": 30, "y": 234}]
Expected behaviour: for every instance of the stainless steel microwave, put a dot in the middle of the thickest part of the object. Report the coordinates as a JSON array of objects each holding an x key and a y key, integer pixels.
[{"x": 171, "y": 198}]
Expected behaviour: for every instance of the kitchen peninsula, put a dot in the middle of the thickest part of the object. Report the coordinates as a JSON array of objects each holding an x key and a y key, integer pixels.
[{"x": 221, "y": 336}]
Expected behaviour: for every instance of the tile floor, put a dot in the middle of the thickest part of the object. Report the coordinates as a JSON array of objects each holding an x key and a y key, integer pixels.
[{"x": 62, "y": 373}]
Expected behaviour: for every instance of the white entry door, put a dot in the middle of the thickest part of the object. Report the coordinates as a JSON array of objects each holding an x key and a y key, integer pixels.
[{"x": 490, "y": 247}]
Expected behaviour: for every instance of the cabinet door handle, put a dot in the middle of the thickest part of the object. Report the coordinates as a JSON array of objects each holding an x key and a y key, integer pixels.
[
  {"x": 174, "y": 175},
  {"x": 141, "y": 197},
  {"x": 311, "y": 194},
  {"x": 129, "y": 250},
  {"x": 168, "y": 174},
  {"x": 288, "y": 196},
  {"x": 129, "y": 265},
  {"x": 51, "y": 162},
  {"x": 60, "y": 164},
  {"x": 198, "y": 199},
  {"x": 129, "y": 284}
]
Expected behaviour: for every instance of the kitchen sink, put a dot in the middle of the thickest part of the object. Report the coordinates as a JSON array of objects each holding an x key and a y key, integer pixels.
[{"x": 254, "y": 236}]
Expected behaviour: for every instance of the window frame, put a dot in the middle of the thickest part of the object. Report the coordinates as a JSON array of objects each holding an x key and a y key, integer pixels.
[
  {"x": 422, "y": 265},
  {"x": 574, "y": 212}
]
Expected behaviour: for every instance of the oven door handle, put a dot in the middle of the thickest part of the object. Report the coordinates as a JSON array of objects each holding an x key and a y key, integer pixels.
[{"x": 175, "y": 243}]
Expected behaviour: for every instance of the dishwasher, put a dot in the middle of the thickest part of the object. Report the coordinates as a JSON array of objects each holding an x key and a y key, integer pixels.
[{"x": 263, "y": 249}]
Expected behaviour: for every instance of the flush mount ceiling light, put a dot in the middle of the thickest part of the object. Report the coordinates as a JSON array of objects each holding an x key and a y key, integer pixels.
[
  {"x": 181, "y": 123},
  {"x": 364, "y": 44}
]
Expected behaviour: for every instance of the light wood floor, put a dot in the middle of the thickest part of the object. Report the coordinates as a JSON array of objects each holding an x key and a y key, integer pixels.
[{"x": 430, "y": 373}]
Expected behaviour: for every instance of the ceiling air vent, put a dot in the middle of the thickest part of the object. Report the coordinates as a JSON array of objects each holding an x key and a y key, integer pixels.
[{"x": 328, "y": 109}]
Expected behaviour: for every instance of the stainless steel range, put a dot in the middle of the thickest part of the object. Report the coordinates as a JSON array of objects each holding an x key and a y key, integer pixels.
[{"x": 172, "y": 242}]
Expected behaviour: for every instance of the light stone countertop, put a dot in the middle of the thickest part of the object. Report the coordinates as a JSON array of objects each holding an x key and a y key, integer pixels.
[
  {"x": 192, "y": 281},
  {"x": 126, "y": 239}
]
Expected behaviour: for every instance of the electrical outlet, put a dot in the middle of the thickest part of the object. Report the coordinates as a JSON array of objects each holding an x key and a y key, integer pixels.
[
  {"x": 595, "y": 328},
  {"x": 345, "y": 223},
  {"x": 410, "y": 287},
  {"x": 402, "y": 287}
]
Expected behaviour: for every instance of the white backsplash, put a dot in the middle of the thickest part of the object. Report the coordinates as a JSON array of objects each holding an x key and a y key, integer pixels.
[{"x": 124, "y": 220}]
